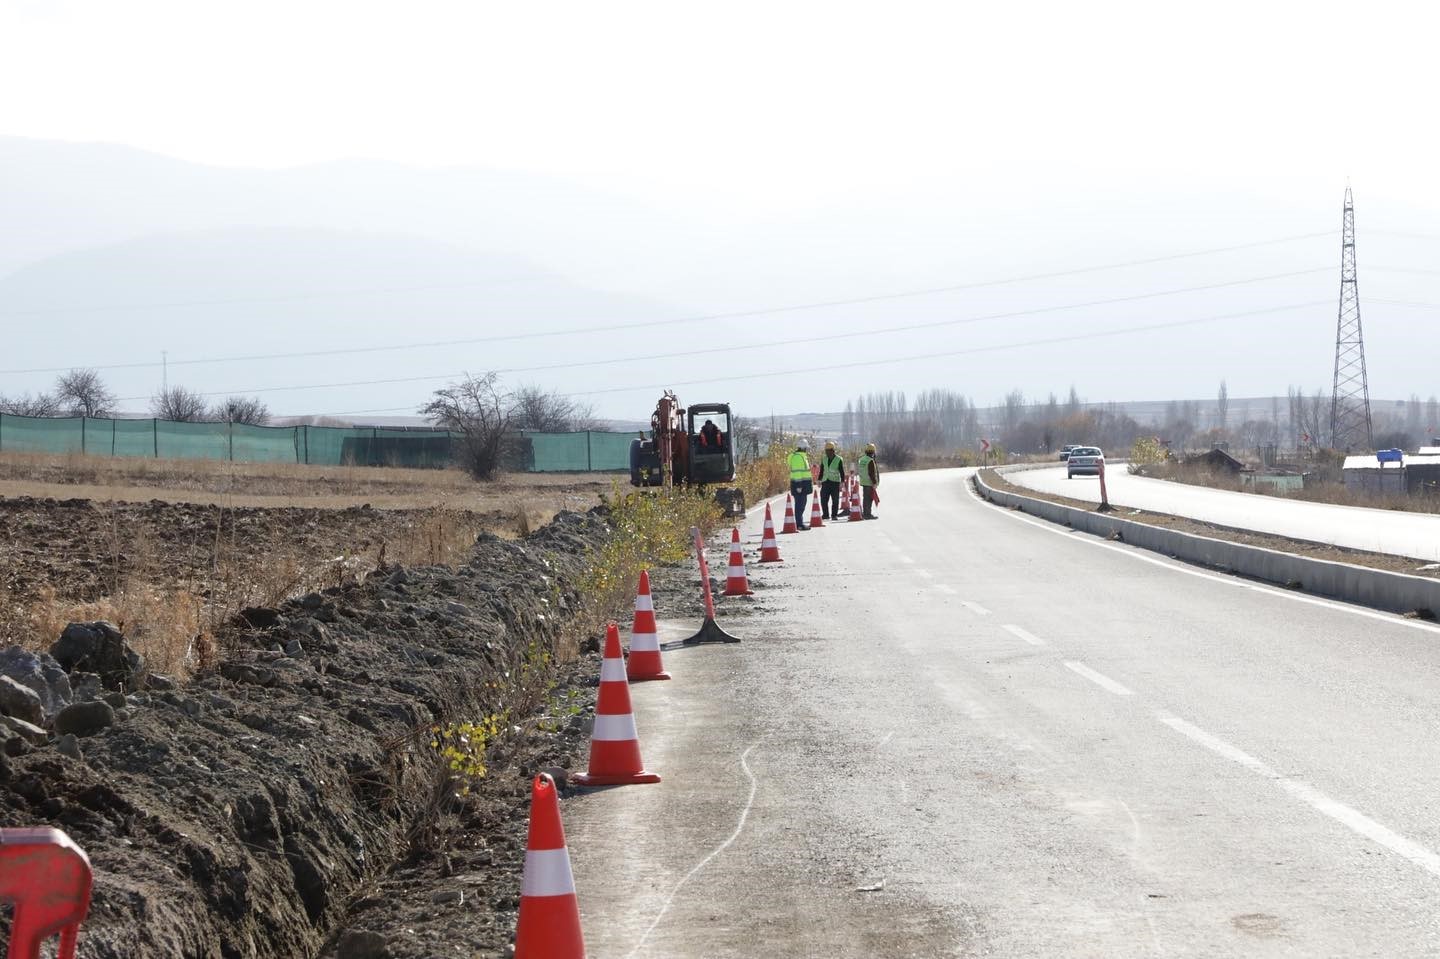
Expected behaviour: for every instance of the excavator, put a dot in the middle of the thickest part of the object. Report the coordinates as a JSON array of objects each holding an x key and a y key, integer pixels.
[{"x": 689, "y": 446}]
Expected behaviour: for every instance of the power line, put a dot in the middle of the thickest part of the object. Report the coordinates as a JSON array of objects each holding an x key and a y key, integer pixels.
[
  {"x": 934, "y": 324},
  {"x": 1022, "y": 344},
  {"x": 710, "y": 317}
]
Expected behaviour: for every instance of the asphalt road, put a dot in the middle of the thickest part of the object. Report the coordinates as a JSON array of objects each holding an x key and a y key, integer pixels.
[
  {"x": 959, "y": 731},
  {"x": 1375, "y": 530}
]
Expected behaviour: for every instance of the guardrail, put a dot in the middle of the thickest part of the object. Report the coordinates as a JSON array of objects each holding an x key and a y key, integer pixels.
[{"x": 1392, "y": 592}]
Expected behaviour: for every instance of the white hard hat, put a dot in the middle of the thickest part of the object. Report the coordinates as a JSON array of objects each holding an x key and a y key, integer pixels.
[{"x": 804, "y": 444}]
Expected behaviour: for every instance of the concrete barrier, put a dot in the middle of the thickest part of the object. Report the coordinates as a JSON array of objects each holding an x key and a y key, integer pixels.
[{"x": 1393, "y": 592}]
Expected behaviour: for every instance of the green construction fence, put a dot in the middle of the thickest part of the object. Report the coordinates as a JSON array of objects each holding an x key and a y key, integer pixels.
[{"x": 417, "y": 447}]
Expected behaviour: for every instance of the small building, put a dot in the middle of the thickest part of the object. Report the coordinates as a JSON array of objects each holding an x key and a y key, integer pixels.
[
  {"x": 1392, "y": 476},
  {"x": 1216, "y": 459}
]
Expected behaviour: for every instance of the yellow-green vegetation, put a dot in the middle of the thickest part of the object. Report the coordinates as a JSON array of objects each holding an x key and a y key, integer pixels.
[
  {"x": 463, "y": 746},
  {"x": 648, "y": 526},
  {"x": 765, "y": 475},
  {"x": 1147, "y": 451}
]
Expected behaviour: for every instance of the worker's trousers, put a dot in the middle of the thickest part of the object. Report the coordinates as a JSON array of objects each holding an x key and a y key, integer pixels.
[
  {"x": 830, "y": 499},
  {"x": 868, "y": 510},
  {"x": 800, "y": 489}
]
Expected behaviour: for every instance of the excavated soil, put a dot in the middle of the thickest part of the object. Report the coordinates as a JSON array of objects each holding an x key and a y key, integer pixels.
[{"x": 291, "y": 797}]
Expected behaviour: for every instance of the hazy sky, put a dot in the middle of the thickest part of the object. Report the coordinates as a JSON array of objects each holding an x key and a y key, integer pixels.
[{"x": 746, "y": 114}]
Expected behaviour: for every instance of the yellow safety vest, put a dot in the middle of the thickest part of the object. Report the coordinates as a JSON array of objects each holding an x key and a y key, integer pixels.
[
  {"x": 799, "y": 466},
  {"x": 863, "y": 468},
  {"x": 831, "y": 468}
]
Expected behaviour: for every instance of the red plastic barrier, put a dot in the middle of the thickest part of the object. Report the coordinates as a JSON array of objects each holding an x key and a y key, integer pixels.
[{"x": 47, "y": 878}]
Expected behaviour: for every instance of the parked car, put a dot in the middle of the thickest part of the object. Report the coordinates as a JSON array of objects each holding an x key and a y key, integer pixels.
[
  {"x": 1088, "y": 460},
  {"x": 1065, "y": 451}
]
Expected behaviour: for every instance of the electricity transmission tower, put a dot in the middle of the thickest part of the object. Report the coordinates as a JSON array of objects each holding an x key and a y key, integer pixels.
[{"x": 1350, "y": 398}]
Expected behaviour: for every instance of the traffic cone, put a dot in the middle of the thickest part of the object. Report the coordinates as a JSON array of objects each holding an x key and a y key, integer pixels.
[
  {"x": 769, "y": 549},
  {"x": 736, "y": 582},
  {"x": 644, "y": 662},
  {"x": 789, "y": 526},
  {"x": 857, "y": 512},
  {"x": 549, "y": 926},
  {"x": 816, "y": 520},
  {"x": 614, "y": 744}
]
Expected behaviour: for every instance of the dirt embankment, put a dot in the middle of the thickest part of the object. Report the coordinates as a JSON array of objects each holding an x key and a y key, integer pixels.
[{"x": 258, "y": 810}]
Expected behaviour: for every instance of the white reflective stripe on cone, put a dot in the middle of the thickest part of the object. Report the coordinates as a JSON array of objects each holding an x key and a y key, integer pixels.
[
  {"x": 643, "y": 603},
  {"x": 645, "y": 642},
  {"x": 610, "y": 728},
  {"x": 547, "y": 873},
  {"x": 612, "y": 671},
  {"x": 737, "y": 569}
]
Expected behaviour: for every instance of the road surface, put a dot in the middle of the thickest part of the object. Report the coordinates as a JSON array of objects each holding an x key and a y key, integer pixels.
[
  {"x": 959, "y": 731},
  {"x": 1375, "y": 530}
]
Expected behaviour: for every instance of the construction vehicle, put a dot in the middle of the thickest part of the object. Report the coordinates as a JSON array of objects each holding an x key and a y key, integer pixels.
[{"x": 689, "y": 447}]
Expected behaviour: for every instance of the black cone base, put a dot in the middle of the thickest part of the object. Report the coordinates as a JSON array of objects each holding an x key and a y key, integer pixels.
[{"x": 711, "y": 632}]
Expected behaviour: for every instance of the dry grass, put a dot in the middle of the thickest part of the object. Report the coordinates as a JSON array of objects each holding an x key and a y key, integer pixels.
[{"x": 222, "y": 483}]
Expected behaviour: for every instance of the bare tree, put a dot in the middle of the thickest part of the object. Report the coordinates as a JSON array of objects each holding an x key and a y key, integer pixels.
[
  {"x": 41, "y": 404},
  {"x": 477, "y": 410},
  {"x": 250, "y": 410},
  {"x": 178, "y": 404},
  {"x": 1222, "y": 406},
  {"x": 532, "y": 408},
  {"x": 83, "y": 393}
]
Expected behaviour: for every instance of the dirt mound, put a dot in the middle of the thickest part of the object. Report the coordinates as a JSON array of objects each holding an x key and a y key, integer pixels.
[{"x": 240, "y": 816}]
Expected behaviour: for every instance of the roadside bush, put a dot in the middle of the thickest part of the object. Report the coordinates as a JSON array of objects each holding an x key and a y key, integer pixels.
[
  {"x": 765, "y": 475},
  {"x": 650, "y": 526},
  {"x": 1146, "y": 451}
]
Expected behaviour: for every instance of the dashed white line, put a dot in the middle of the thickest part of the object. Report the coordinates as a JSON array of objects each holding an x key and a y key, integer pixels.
[
  {"x": 1099, "y": 679},
  {"x": 1347, "y": 816},
  {"x": 947, "y": 590},
  {"x": 975, "y": 608},
  {"x": 907, "y": 559},
  {"x": 925, "y": 573},
  {"x": 1029, "y": 637}
]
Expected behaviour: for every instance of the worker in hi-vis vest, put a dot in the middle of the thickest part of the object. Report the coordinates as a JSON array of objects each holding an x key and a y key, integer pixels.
[
  {"x": 800, "y": 485},
  {"x": 832, "y": 476},
  {"x": 869, "y": 472}
]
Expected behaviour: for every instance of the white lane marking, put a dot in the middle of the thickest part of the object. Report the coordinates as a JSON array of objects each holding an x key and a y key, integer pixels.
[
  {"x": 907, "y": 559},
  {"x": 1099, "y": 679},
  {"x": 1347, "y": 816},
  {"x": 1030, "y": 638},
  {"x": 739, "y": 827},
  {"x": 974, "y": 607},
  {"x": 947, "y": 590},
  {"x": 1179, "y": 567},
  {"x": 888, "y": 736},
  {"x": 925, "y": 573}
]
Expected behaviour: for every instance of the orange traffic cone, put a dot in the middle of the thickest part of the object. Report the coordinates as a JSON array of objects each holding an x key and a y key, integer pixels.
[
  {"x": 549, "y": 926},
  {"x": 614, "y": 744},
  {"x": 789, "y": 526},
  {"x": 644, "y": 662},
  {"x": 856, "y": 512},
  {"x": 769, "y": 549},
  {"x": 816, "y": 520},
  {"x": 736, "y": 582}
]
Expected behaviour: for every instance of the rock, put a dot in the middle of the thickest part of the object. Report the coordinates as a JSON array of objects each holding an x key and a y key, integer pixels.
[
  {"x": 99, "y": 647},
  {"x": 558, "y": 774},
  {"x": 159, "y": 681},
  {"x": 459, "y": 609},
  {"x": 40, "y": 673},
  {"x": 84, "y": 719},
  {"x": 443, "y": 896},
  {"x": 27, "y": 731},
  {"x": 116, "y": 700},
  {"x": 409, "y": 621},
  {"x": 69, "y": 745},
  {"x": 219, "y": 702},
  {"x": 16, "y": 746},
  {"x": 260, "y": 617},
  {"x": 294, "y": 650},
  {"x": 122, "y": 715},
  {"x": 363, "y": 944},
  {"x": 86, "y": 686},
  {"x": 312, "y": 601},
  {"x": 399, "y": 577},
  {"x": 20, "y": 701}
]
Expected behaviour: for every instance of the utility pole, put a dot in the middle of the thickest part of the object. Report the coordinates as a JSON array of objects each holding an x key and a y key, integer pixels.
[{"x": 1350, "y": 426}]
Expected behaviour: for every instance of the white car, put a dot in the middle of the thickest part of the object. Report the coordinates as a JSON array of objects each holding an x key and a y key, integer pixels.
[{"x": 1086, "y": 460}]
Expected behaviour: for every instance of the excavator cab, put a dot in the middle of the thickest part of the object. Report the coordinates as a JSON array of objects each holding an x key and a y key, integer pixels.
[
  {"x": 692, "y": 446},
  {"x": 712, "y": 454}
]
